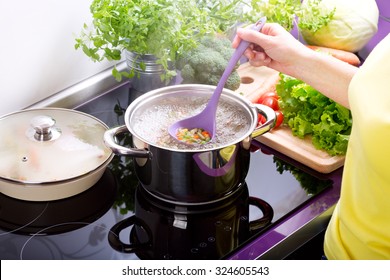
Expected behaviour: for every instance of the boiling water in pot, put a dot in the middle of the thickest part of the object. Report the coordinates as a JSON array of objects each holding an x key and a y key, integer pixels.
[{"x": 151, "y": 124}]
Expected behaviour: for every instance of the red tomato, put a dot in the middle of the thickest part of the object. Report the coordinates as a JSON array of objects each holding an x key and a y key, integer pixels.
[
  {"x": 279, "y": 118},
  {"x": 267, "y": 94},
  {"x": 271, "y": 102},
  {"x": 261, "y": 119}
]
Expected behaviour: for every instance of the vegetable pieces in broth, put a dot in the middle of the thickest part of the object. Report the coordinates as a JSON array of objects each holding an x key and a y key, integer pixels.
[{"x": 193, "y": 136}]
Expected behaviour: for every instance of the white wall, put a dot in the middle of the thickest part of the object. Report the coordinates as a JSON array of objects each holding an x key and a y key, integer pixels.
[{"x": 37, "y": 55}]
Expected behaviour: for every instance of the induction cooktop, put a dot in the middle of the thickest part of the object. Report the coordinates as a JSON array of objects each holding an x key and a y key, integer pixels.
[{"x": 114, "y": 216}]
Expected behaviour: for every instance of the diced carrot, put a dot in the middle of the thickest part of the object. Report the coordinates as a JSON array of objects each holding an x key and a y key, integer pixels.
[{"x": 195, "y": 135}]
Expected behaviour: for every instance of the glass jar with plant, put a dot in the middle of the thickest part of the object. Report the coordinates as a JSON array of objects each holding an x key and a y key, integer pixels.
[{"x": 162, "y": 28}]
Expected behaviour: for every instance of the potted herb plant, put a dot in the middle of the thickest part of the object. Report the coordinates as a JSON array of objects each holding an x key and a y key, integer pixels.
[{"x": 161, "y": 29}]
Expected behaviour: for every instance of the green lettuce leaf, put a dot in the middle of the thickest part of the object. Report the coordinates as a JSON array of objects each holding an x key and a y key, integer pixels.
[{"x": 308, "y": 112}]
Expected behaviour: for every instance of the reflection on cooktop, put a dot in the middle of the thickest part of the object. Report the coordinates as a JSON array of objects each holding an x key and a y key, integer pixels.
[{"x": 163, "y": 231}]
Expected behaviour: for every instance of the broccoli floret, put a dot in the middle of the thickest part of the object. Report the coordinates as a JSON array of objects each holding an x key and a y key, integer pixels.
[
  {"x": 188, "y": 73},
  {"x": 206, "y": 63},
  {"x": 233, "y": 81}
]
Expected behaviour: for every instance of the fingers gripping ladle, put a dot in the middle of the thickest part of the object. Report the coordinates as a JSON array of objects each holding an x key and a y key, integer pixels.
[{"x": 206, "y": 120}]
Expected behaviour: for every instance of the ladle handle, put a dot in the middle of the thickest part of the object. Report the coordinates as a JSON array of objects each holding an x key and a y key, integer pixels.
[
  {"x": 245, "y": 44},
  {"x": 232, "y": 63}
]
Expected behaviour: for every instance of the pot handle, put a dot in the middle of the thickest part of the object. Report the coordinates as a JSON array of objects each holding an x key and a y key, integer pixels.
[
  {"x": 268, "y": 214},
  {"x": 270, "y": 116},
  {"x": 110, "y": 141},
  {"x": 118, "y": 245}
]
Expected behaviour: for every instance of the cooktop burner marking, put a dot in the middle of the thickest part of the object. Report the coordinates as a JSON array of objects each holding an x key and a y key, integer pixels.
[
  {"x": 57, "y": 225},
  {"x": 27, "y": 224},
  {"x": 211, "y": 239}
]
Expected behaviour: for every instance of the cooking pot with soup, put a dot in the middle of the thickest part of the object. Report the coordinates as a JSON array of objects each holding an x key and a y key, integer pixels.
[{"x": 182, "y": 173}]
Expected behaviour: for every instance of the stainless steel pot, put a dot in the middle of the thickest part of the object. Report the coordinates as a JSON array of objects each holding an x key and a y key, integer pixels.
[
  {"x": 51, "y": 153},
  {"x": 185, "y": 176}
]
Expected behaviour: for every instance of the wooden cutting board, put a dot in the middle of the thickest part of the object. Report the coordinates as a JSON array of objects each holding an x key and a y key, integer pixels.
[{"x": 259, "y": 80}]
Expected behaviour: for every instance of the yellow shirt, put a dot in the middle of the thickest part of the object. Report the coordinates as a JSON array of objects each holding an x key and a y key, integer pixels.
[{"x": 360, "y": 225}]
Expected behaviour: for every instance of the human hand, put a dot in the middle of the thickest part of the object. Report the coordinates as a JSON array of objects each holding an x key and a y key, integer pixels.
[
  {"x": 273, "y": 47},
  {"x": 276, "y": 48}
]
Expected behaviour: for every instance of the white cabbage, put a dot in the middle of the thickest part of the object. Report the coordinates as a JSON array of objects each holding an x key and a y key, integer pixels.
[{"x": 354, "y": 23}]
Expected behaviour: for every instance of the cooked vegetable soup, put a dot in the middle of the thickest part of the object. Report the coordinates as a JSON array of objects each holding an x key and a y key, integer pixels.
[{"x": 151, "y": 124}]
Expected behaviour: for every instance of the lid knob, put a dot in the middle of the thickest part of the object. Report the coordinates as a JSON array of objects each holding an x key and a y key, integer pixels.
[{"x": 44, "y": 128}]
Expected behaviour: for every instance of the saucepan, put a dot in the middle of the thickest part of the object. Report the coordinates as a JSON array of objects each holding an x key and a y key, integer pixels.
[
  {"x": 51, "y": 153},
  {"x": 187, "y": 174}
]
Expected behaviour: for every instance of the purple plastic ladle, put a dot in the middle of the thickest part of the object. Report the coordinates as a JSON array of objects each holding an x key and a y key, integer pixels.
[{"x": 207, "y": 118}]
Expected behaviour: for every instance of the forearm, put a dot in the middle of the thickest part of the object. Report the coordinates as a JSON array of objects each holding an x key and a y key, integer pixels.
[{"x": 328, "y": 75}]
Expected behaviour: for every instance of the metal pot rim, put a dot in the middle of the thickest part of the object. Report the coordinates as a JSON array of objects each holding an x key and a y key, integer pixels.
[{"x": 145, "y": 98}]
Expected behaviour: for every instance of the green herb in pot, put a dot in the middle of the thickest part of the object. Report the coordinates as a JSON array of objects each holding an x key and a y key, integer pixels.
[{"x": 163, "y": 28}]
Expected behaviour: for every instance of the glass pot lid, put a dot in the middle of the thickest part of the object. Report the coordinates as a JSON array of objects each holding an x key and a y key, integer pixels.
[{"x": 50, "y": 144}]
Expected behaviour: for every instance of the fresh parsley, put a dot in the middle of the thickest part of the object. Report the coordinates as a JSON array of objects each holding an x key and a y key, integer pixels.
[
  {"x": 163, "y": 28},
  {"x": 307, "y": 15}
]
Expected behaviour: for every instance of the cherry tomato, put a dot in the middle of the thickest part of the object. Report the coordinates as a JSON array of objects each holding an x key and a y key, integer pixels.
[
  {"x": 267, "y": 94},
  {"x": 279, "y": 118},
  {"x": 261, "y": 119},
  {"x": 271, "y": 102}
]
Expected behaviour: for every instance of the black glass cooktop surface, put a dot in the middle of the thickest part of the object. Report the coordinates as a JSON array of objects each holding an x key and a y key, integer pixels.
[{"x": 117, "y": 219}]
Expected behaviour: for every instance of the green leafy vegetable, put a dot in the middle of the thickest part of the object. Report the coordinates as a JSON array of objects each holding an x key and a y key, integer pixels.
[
  {"x": 341, "y": 24},
  {"x": 206, "y": 63},
  {"x": 308, "y": 112},
  {"x": 354, "y": 23},
  {"x": 286, "y": 13},
  {"x": 163, "y": 28}
]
